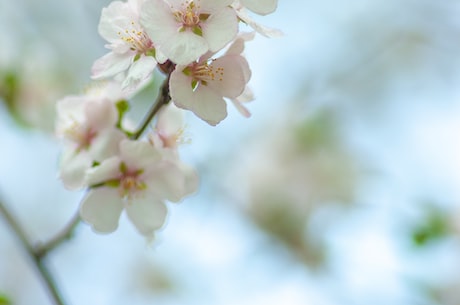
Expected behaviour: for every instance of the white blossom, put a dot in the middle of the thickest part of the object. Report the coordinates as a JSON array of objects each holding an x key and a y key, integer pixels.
[
  {"x": 137, "y": 180},
  {"x": 184, "y": 30},
  {"x": 132, "y": 50}
]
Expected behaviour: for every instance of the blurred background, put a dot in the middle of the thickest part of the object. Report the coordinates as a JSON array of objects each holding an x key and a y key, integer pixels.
[{"x": 342, "y": 188}]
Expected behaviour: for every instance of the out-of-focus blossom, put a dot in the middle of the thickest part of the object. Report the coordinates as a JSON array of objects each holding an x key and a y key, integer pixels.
[
  {"x": 137, "y": 180},
  {"x": 87, "y": 126}
]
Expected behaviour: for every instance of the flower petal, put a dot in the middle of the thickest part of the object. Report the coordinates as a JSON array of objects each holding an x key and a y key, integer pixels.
[
  {"x": 220, "y": 29},
  {"x": 261, "y": 7},
  {"x": 73, "y": 167},
  {"x": 139, "y": 74},
  {"x": 167, "y": 181},
  {"x": 109, "y": 169},
  {"x": 236, "y": 74},
  {"x": 101, "y": 208},
  {"x": 181, "y": 47},
  {"x": 137, "y": 154},
  {"x": 106, "y": 144},
  {"x": 204, "y": 102},
  {"x": 111, "y": 64},
  {"x": 147, "y": 214}
]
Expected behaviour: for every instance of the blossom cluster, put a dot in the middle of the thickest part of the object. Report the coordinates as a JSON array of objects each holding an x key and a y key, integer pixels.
[{"x": 198, "y": 46}]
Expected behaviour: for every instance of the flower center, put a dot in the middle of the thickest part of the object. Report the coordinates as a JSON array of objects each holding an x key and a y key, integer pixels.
[
  {"x": 202, "y": 73},
  {"x": 137, "y": 38},
  {"x": 190, "y": 18},
  {"x": 130, "y": 182},
  {"x": 81, "y": 135}
]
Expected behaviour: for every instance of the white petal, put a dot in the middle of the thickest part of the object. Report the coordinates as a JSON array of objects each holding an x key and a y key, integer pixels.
[
  {"x": 166, "y": 180},
  {"x": 147, "y": 214},
  {"x": 237, "y": 47},
  {"x": 109, "y": 24},
  {"x": 170, "y": 120},
  {"x": 184, "y": 47},
  {"x": 191, "y": 179},
  {"x": 139, "y": 73},
  {"x": 220, "y": 29},
  {"x": 213, "y": 6},
  {"x": 106, "y": 144},
  {"x": 101, "y": 208},
  {"x": 73, "y": 167},
  {"x": 111, "y": 64},
  {"x": 70, "y": 110},
  {"x": 138, "y": 155},
  {"x": 261, "y": 29},
  {"x": 162, "y": 27},
  {"x": 109, "y": 169},
  {"x": 261, "y": 7},
  {"x": 101, "y": 114},
  {"x": 236, "y": 74},
  {"x": 204, "y": 102}
]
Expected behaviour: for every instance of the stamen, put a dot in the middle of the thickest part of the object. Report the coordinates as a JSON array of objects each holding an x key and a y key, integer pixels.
[{"x": 137, "y": 38}]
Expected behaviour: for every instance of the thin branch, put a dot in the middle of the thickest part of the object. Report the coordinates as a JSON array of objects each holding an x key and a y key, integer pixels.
[
  {"x": 37, "y": 260},
  {"x": 42, "y": 249},
  {"x": 162, "y": 99}
]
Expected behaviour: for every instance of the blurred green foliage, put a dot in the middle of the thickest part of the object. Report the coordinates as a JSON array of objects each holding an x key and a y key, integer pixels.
[
  {"x": 4, "y": 300},
  {"x": 9, "y": 94},
  {"x": 436, "y": 226}
]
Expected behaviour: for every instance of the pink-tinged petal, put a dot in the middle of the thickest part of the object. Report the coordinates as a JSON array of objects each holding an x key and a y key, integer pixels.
[
  {"x": 261, "y": 7},
  {"x": 162, "y": 27},
  {"x": 184, "y": 47},
  {"x": 106, "y": 144},
  {"x": 165, "y": 180},
  {"x": 204, "y": 102},
  {"x": 101, "y": 114},
  {"x": 237, "y": 47},
  {"x": 241, "y": 109},
  {"x": 170, "y": 121},
  {"x": 101, "y": 208},
  {"x": 70, "y": 110},
  {"x": 72, "y": 169},
  {"x": 111, "y": 64},
  {"x": 108, "y": 170},
  {"x": 191, "y": 179},
  {"x": 235, "y": 75},
  {"x": 220, "y": 29},
  {"x": 139, "y": 73},
  {"x": 137, "y": 154},
  {"x": 112, "y": 21},
  {"x": 261, "y": 29},
  {"x": 246, "y": 96},
  {"x": 212, "y": 6},
  {"x": 146, "y": 213}
]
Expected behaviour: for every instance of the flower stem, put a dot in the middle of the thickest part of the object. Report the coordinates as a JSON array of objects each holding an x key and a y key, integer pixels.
[
  {"x": 162, "y": 99},
  {"x": 42, "y": 249},
  {"x": 37, "y": 260}
]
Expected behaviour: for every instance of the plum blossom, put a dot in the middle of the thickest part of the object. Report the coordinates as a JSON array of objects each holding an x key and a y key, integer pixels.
[
  {"x": 201, "y": 86},
  {"x": 137, "y": 180},
  {"x": 132, "y": 50},
  {"x": 184, "y": 30},
  {"x": 87, "y": 126}
]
